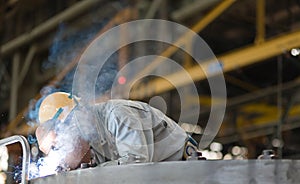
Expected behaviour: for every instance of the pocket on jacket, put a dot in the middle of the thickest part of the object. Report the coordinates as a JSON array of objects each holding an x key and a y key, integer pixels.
[{"x": 160, "y": 131}]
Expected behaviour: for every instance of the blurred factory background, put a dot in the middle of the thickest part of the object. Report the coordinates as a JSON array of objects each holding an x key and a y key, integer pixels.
[{"x": 257, "y": 43}]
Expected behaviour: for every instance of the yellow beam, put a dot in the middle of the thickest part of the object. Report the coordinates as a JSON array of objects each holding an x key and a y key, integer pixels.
[
  {"x": 231, "y": 61},
  {"x": 259, "y": 107},
  {"x": 260, "y": 21},
  {"x": 245, "y": 85},
  {"x": 204, "y": 100},
  {"x": 186, "y": 38},
  {"x": 265, "y": 114}
]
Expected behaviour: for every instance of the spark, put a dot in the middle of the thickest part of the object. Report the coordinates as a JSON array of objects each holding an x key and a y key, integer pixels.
[{"x": 45, "y": 166}]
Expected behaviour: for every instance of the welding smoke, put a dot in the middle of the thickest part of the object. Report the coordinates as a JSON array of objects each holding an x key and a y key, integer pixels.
[
  {"x": 65, "y": 143},
  {"x": 85, "y": 118},
  {"x": 66, "y": 48},
  {"x": 67, "y": 132}
]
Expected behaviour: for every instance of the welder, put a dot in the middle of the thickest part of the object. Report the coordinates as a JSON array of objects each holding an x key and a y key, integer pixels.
[{"x": 118, "y": 131}]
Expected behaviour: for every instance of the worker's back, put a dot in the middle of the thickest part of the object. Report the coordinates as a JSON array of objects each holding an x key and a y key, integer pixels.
[{"x": 137, "y": 132}]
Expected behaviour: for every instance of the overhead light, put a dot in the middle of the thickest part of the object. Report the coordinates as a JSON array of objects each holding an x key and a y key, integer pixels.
[{"x": 295, "y": 52}]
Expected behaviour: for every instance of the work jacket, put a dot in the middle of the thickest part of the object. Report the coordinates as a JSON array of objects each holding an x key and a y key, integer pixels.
[{"x": 131, "y": 132}]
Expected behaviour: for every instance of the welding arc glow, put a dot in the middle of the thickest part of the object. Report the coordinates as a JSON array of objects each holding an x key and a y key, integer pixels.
[
  {"x": 64, "y": 144},
  {"x": 45, "y": 166}
]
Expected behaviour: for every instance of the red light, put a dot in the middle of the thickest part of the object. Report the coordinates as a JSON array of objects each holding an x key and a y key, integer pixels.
[{"x": 122, "y": 80}]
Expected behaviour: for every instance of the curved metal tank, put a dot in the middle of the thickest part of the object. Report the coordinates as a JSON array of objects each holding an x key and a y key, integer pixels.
[{"x": 210, "y": 172}]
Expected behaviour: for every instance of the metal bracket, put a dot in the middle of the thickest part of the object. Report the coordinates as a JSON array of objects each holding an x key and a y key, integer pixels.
[{"x": 26, "y": 153}]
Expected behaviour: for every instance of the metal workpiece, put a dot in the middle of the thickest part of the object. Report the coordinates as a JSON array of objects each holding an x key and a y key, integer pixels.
[
  {"x": 26, "y": 153},
  {"x": 267, "y": 154},
  {"x": 203, "y": 171}
]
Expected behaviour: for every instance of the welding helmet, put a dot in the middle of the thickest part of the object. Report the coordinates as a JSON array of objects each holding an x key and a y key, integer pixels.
[{"x": 56, "y": 105}]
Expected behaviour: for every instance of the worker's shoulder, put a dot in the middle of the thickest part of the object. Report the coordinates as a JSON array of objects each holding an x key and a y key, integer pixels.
[{"x": 121, "y": 104}]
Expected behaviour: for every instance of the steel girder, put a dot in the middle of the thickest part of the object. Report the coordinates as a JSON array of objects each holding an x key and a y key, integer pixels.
[{"x": 230, "y": 61}]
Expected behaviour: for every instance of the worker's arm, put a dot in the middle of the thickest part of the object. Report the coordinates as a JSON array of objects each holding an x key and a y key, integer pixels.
[{"x": 131, "y": 125}]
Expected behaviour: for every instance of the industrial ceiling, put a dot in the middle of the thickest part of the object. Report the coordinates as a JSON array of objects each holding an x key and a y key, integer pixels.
[{"x": 41, "y": 39}]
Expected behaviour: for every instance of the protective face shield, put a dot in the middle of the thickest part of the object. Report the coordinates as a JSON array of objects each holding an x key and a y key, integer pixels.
[
  {"x": 55, "y": 107},
  {"x": 57, "y": 132},
  {"x": 81, "y": 120}
]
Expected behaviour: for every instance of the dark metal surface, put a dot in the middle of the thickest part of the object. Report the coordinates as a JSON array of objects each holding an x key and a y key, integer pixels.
[{"x": 233, "y": 171}]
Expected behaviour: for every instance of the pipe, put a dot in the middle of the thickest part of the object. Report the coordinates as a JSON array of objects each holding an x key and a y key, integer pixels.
[
  {"x": 48, "y": 25},
  {"x": 260, "y": 21},
  {"x": 191, "y": 9},
  {"x": 26, "y": 153},
  {"x": 231, "y": 61},
  {"x": 27, "y": 62},
  {"x": 153, "y": 9},
  {"x": 258, "y": 131},
  {"x": 246, "y": 98},
  {"x": 14, "y": 86},
  {"x": 186, "y": 38}
]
